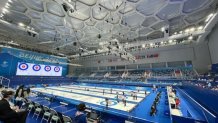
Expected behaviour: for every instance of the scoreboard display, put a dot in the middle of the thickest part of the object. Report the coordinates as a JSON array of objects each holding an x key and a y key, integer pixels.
[{"x": 29, "y": 69}]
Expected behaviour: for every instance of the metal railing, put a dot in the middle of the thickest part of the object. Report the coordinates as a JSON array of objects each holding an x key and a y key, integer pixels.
[{"x": 3, "y": 80}]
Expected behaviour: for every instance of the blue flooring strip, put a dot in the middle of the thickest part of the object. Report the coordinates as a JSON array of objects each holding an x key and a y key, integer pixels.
[
  {"x": 143, "y": 109},
  {"x": 186, "y": 107}
]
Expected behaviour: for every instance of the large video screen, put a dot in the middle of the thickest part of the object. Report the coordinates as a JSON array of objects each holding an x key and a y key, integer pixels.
[{"x": 29, "y": 69}]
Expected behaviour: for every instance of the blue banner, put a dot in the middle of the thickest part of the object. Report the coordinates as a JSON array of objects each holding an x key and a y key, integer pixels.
[
  {"x": 9, "y": 58},
  {"x": 33, "y": 56},
  {"x": 214, "y": 68}
]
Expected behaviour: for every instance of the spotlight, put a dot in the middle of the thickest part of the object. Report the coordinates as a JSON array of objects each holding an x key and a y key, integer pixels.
[
  {"x": 99, "y": 36},
  {"x": 29, "y": 33},
  {"x": 71, "y": 10},
  {"x": 65, "y": 7},
  {"x": 167, "y": 31}
]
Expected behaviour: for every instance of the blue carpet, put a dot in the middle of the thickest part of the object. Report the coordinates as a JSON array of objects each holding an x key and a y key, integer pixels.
[
  {"x": 186, "y": 107},
  {"x": 143, "y": 109}
]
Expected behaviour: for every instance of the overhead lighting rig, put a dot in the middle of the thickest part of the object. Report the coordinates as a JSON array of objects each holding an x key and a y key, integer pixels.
[{"x": 111, "y": 47}]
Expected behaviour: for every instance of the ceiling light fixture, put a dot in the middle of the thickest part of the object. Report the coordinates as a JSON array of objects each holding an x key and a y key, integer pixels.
[
  {"x": 143, "y": 45},
  {"x": 21, "y": 24},
  {"x": 7, "y": 5},
  {"x": 190, "y": 37},
  {"x": 187, "y": 30},
  {"x": 200, "y": 27},
  {"x": 4, "y": 10},
  {"x": 192, "y": 29},
  {"x": 163, "y": 29},
  {"x": 209, "y": 17}
]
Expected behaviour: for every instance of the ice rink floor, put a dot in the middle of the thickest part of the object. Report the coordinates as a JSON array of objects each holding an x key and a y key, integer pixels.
[{"x": 97, "y": 95}]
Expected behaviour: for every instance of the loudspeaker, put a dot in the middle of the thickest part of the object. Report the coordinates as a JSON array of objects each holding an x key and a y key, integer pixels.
[
  {"x": 29, "y": 33},
  {"x": 74, "y": 43},
  {"x": 167, "y": 30},
  {"x": 99, "y": 36}
]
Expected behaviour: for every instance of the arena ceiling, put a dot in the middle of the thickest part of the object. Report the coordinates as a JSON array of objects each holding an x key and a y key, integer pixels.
[{"x": 61, "y": 23}]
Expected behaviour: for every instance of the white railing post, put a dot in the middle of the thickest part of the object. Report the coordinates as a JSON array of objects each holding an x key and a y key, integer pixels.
[{"x": 1, "y": 78}]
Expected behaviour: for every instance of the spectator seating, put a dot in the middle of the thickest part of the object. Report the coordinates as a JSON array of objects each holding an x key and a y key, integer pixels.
[{"x": 138, "y": 75}]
